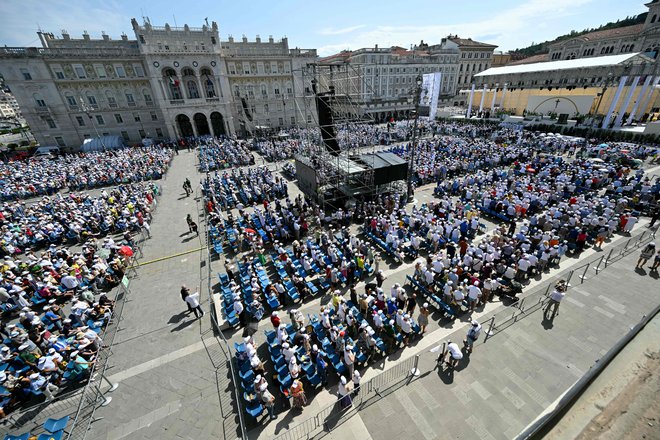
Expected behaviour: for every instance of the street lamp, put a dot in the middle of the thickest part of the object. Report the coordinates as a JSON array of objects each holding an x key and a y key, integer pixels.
[
  {"x": 413, "y": 147},
  {"x": 86, "y": 109}
]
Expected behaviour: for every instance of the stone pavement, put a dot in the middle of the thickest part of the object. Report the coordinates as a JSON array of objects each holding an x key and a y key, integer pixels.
[{"x": 164, "y": 359}]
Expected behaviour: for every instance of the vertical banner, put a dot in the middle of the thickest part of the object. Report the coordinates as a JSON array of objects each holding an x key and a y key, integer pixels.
[
  {"x": 626, "y": 102},
  {"x": 615, "y": 101},
  {"x": 431, "y": 83}
]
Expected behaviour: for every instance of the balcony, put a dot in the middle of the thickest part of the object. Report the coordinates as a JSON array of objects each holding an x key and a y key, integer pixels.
[
  {"x": 149, "y": 103},
  {"x": 132, "y": 104},
  {"x": 177, "y": 102},
  {"x": 212, "y": 99},
  {"x": 42, "y": 109}
]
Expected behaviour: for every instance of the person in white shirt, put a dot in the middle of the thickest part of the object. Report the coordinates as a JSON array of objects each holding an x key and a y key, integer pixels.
[
  {"x": 472, "y": 335},
  {"x": 193, "y": 301},
  {"x": 474, "y": 293},
  {"x": 454, "y": 354},
  {"x": 556, "y": 297}
]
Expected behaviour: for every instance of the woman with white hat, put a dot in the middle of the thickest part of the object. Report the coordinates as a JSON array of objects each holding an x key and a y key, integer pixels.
[{"x": 344, "y": 392}]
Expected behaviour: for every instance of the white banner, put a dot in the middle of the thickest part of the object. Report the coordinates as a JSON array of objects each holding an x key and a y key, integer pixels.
[{"x": 431, "y": 84}]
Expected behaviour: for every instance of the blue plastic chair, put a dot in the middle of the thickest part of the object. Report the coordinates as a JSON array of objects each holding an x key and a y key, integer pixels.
[
  {"x": 54, "y": 436},
  {"x": 18, "y": 437}
]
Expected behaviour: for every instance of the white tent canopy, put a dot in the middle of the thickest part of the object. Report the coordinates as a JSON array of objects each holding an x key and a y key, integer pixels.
[{"x": 103, "y": 143}]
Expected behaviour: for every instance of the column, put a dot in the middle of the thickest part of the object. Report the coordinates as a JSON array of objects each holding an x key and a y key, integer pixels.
[
  {"x": 469, "y": 112},
  {"x": 503, "y": 96},
  {"x": 640, "y": 97},
  {"x": 492, "y": 104},
  {"x": 649, "y": 94},
  {"x": 622, "y": 109},
  {"x": 483, "y": 96},
  {"x": 615, "y": 101}
]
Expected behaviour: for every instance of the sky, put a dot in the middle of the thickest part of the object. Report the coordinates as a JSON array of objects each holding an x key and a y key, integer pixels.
[{"x": 328, "y": 26}]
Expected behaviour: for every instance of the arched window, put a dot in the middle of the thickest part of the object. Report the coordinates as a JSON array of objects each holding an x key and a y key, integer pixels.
[
  {"x": 191, "y": 86},
  {"x": 187, "y": 71},
  {"x": 173, "y": 84},
  {"x": 206, "y": 77},
  {"x": 654, "y": 18},
  {"x": 631, "y": 48}
]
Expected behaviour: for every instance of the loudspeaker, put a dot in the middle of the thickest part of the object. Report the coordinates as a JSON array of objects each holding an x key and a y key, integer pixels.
[{"x": 327, "y": 124}]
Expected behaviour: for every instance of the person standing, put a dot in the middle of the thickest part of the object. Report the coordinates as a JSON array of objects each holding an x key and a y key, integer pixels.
[
  {"x": 344, "y": 392},
  {"x": 556, "y": 297},
  {"x": 423, "y": 318},
  {"x": 645, "y": 255},
  {"x": 298, "y": 394},
  {"x": 472, "y": 335},
  {"x": 239, "y": 309},
  {"x": 184, "y": 294},
  {"x": 269, "y": 401},
  {"x": 193, "y": 302}
]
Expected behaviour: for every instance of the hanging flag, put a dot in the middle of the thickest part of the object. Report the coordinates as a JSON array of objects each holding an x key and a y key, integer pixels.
[
  {"x": 174, "y": 81},
  {"x": 208, "y": 81}
]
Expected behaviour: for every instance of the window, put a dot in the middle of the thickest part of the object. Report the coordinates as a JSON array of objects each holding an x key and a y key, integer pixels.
[
  {"x": 60, "y": 141},
  {"x": 121, "y": 72},
  {"x": 147, "y": 99},
  {"x": 264, "y": 90},
  {"x": 309, "y": 119},
  {"x": 154, "y": 116},
  {"x": 112, "y": 102},
  {"x": 293, "y": 120},
  {"x": 289, "y": 90},
  {"x": 193, "y": 93},
  {"x": 100, "y": 71},
  {"x": 265, "y": 108},
  {"x": 159, "y": 132},
  {"x": 81, "y": 121},
  {"x": 142, "y": 39},
  {"x": 26, "y": 75},
  {"x": 277, "y": 90},
  {"x": 99, "y": 120},
  {"x": 142, "y": 134},
  {"x": 212, "y": 40},
  {"x": 130, "y": 100},
  {"x": 136, "y": 117},
  {"x": 124, "y": 135},
  {"x": 139, "y": 71},
  {"x": 80, "y": 71},
  {"x": 40, "y": 101},
  {"x": 118, "y": 118},
  {"x": 71, "y": 101},
  {"x": 281, "y": 121},
  {"x": 273, "y": 67},
  {"x": 50, "y": 122},
  {"x": 59, "y": 73},
  {"x": 91, "y": 99}
]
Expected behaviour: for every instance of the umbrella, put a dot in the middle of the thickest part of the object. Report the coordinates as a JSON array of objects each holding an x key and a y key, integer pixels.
[
  {"x": 531, "y": 170},
  {"x": 126, "y": 251},
  {"x": 250, "y": 231}
]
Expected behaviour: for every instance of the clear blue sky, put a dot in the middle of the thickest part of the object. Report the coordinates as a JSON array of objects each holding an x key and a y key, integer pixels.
[{"x": 328, "y": 26}]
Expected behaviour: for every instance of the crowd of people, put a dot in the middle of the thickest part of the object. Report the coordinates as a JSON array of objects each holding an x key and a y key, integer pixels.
[
  {"x": 22, "y": 179},
  {"x": 546, "y": 207},
  {"x": 220, "y": 153},
  {"x": 54, "y": 296}
]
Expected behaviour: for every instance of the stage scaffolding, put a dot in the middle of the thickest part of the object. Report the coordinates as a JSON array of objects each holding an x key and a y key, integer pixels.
[{"x": 341, "y": 178}]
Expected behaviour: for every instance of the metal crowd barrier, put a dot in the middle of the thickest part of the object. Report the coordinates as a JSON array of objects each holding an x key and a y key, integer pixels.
[
  {"x": 326, "y": 419},
  {"x": 540, "y": 297},
  {"x": 227, "y": 351}
]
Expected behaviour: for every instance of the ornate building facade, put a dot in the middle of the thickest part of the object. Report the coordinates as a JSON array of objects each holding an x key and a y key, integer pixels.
[{"x": 168, "y": 82}]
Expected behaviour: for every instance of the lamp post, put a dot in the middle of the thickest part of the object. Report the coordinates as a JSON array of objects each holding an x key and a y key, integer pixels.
[
  {"x": 86, "y": 109},
  {"x": 413, "y": 147}
]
